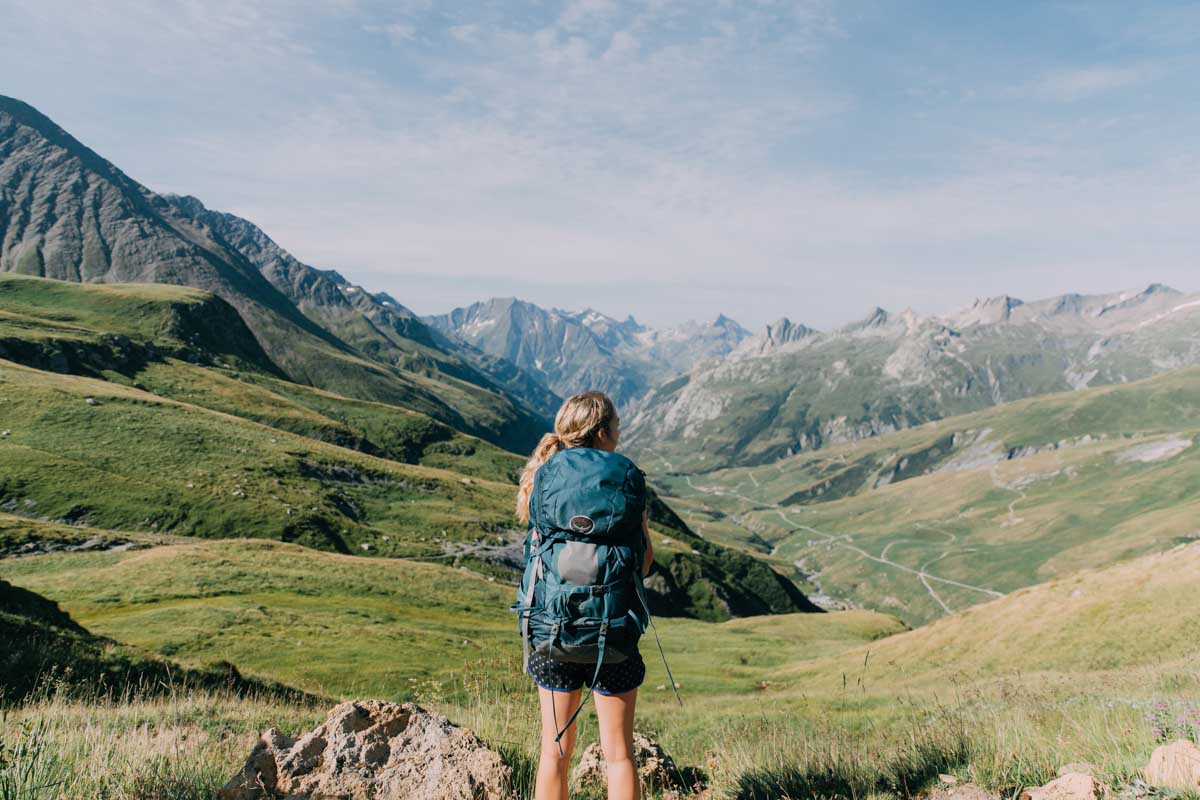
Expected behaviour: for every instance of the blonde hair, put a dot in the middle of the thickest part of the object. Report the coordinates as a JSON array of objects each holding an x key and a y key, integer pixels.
[{"x": 576, "y": 424}]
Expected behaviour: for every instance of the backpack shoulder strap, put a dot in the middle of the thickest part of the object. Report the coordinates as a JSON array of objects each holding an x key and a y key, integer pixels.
[{"x": 536, "y": 511}]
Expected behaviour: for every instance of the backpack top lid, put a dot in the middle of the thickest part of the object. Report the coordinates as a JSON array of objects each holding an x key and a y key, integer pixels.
[{"x": 585, "y": 491}]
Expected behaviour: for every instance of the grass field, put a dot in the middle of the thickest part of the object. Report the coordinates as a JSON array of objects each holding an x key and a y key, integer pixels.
[{"x": 1003, "y": 693}]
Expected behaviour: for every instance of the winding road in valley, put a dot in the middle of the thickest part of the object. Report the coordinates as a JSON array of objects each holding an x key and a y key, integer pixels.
[{"x": 845, "y": 541}]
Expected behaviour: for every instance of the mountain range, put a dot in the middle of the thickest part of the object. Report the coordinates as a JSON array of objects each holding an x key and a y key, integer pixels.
[
  {"x": 792, "y": 389},
  {"x": 168, "y": 368},
  {"x": 573, "y": 351}
]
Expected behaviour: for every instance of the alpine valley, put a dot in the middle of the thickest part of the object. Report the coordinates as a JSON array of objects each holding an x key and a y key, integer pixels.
[{"x": 235, "y": 488}]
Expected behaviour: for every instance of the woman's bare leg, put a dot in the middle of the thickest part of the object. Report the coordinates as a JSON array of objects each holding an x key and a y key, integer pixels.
[
  {"x": 615, "y": 715},
  {"x": 553, "y": 768}
]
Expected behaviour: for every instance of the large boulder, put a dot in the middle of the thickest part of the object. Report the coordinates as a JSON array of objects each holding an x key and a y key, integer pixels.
[
  {"x": 655, "y": 768},
  {"x": 1175, "y": 766},
  {"x": 1069, "y": 786},
  {"x": 373, "y": 749}
]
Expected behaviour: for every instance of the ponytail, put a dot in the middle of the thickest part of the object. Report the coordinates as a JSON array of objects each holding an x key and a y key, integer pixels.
[
  {"x": 548, "y": 446},
  {"x": 576, "y": 424}
]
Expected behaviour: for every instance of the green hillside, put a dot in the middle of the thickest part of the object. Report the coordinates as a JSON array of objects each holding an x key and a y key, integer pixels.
[
  {"x": 190, "y": 345},
  {"x": 83, "y": 450},
  {"x": 934, "y": 519},
  {"x": 354, "y": 626},
  {"x": 45, "y": 647},
  {"x": 168, "y": 419},
  {"x": 91, "y": 451}
]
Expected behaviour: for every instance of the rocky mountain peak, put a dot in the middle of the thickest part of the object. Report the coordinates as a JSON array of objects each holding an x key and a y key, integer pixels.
[
  {"x": 986, "y": 311},
  {"x": 723, "y": 321},
  {"x": 775, "y": 336},
  {"x": 189, "y": 204},
  {"x": 783, "y": 331},
  {"x": 874, "y": 320},
  {"x": 1159, "y": 288}
]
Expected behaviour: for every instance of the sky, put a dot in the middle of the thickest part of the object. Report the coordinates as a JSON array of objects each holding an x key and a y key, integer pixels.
[{"x": 670, "y": 159}]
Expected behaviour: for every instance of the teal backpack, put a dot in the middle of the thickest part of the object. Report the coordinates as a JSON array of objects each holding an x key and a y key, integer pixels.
[{"x": 581, "y": 597}]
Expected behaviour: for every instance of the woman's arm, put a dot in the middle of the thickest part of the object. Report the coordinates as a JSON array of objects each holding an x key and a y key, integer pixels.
[{"x": 648, "y": 558}]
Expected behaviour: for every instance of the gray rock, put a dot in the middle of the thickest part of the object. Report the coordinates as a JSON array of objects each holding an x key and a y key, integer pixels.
[
  {"x": 373, "y": 749},
  {"x": 655, "y": 768}
]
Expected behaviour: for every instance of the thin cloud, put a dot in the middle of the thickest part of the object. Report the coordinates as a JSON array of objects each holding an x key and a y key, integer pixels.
[
  {"x": 651, "y": 152},
  {"x": 398, "y": 32},
  {"x": 1077, "y": 84}
]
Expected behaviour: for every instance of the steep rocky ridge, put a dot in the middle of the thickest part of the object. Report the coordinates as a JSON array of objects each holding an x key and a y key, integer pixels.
[
  {"x": 375, "y": 323},
  {"x": 66, "y": 213}
]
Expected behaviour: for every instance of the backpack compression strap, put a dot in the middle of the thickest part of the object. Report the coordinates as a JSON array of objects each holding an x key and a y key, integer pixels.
[{"x": 538, "y": 572}]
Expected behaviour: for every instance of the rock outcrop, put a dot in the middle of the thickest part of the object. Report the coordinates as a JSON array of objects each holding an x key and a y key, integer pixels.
[
  {"x": 373, "y": 749},
  {"x": 1069, "y": 786},
  {"x": 655, "y": 768},
  {"x": 1175, "y": 766}
]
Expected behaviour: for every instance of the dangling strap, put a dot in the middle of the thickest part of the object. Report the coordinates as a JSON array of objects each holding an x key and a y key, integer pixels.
[
  {"x": 641, "y": 593},
  {"x": 525, "y": 640},
  {"x": 554, "y": 713},
  {"x": 591, "y": 689}
]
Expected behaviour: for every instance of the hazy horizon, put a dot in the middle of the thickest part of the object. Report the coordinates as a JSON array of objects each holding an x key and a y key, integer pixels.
[{"x": 866, "y": 311}]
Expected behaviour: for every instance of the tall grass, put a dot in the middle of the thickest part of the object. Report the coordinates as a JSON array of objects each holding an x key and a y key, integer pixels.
[
  {"x": 178, "y": 745},
  {"x": 184, "y": 744},
  {"x": 30, "y": 768}
]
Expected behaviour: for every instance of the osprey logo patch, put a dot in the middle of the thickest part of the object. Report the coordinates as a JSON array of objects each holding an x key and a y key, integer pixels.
[{"x": 582, "y": 524}]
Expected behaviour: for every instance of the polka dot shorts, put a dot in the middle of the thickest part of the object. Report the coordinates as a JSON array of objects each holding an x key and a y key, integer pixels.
[{"x": 563, "y": 676}]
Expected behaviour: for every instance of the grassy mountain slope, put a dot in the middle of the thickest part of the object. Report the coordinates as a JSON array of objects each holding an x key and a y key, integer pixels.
[
  {"x": 67, "y": 213},
  {"x": 43, "y": 644},
  {"x": 132, "y": 460},
  {"x": 948, "y": 514},
  {"x": 67, "y": 327},
  {"x": 1127, "y": 617},
  {"x": 379, "y": 625},
  {"x": 1080, "y": 669},
  {"x": 192, "y": 346},
  {"x": 396, "y": 629},
  {"x": 183, "y": 426}
]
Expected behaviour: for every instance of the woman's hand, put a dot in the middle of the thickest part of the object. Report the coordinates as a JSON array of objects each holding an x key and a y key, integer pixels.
[{"x": 648, "y": 557}]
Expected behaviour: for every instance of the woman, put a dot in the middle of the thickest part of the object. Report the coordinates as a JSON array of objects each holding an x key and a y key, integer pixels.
[{"x": 585, "y": 420}]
